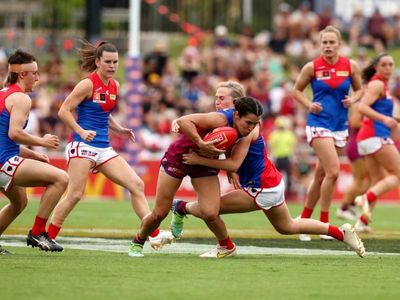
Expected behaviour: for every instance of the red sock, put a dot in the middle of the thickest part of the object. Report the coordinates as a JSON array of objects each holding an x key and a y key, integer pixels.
[
  {"x": 306, "y": 213},
  {"x": 324, "y": 216},
  {"x": 364, "y": 220},
  {"x": 39, "y": 226},
  {"x": 335, "y": 232},
  {"x": 53, "y": 231},
  {"x": 155, "y": 232},
  {"x": 181, "y": 208},
  {"x": 227, "y": 243},
  {"x": 371, "y": 197}
]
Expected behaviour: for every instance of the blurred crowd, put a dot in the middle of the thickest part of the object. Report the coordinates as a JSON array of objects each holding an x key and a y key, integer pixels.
[{"x": 266, "y": 63}]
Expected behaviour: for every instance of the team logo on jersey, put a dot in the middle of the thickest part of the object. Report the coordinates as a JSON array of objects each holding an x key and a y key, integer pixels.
[
  {"x": 342, "y": 73},
  {"x": 323, "y": 75},
  {"x": 99, "y": 98},
  {"x": 113, "y": 96}
]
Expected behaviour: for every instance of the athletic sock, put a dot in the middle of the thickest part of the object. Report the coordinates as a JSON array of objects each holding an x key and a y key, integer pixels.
[
  {"x": 138, "y": 240},
  {"x": 364, "y": 219},
  {"x": 335, "y": 232},
  {"x": 324, "y": 216},
  {"x": 371, "y": 197},
  {"x": 181, "y": 208},
  {"x": 227, "y": 243},
  {"x": 39, "y": 226},
  {"x": 306, "y": 213},
  {"x": 155, "y": 232},
  {"x": 53, "y": 231}
]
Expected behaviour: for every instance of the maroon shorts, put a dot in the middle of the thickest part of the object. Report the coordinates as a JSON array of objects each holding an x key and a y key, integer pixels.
[
  {"x": 352, "y": 151},
  {"x": 180, "y": 170}
]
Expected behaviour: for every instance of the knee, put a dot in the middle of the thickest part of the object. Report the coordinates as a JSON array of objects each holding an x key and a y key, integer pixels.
[
  {"x": 332, "y": 175},
  {"x": 209, "y": 216},
  {"x": 63, "y": 179},
  {"x": 137, "y": 187},
  {"x": 284, "y": 230},
  {"x": 75, "y": 196}
]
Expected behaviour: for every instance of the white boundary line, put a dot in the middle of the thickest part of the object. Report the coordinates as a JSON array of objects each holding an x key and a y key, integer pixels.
[{"x": 121, "y": 246}]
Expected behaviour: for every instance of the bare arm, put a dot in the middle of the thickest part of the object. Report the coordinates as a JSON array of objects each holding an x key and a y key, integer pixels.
[
  {"x": 82, "y": 91},
  {"x": 230, "y": 164},
  {"x": 28, "y": 153},
  {"x": 356, "y": 84},
  {"x": 375, "y": 90},
  {"x": 302, "y": 81},
  {"x": 19, "y": 105},
  {"x": 187, "y": 124},
  {"x": 115, "y": 126}
]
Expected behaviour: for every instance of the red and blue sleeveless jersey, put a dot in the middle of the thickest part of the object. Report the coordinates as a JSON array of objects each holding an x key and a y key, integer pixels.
[
  {"x": 372, "y": 128},
  {"x": 8, "y": 148},
  {"x": 257, "y": 170},
  {"x": 330, "y": 84},
  {"x": 93, "y": 113}
]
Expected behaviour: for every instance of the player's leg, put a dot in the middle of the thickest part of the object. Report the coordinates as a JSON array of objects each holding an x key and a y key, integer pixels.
[
  {"x": 280, "y": 218},
  {"x": 9, "y": 212},
  {"x": 18, "y": 201},
  {"x": 359, "y": 185},
  {"x": 167, "y": 187},
  {"x": 120, "y": 172},
  {"x": 78, "y": 171},
  {"x": 35, "y": 173}
]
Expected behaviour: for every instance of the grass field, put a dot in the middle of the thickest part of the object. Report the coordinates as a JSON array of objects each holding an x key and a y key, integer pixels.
[{"x": 308, "y": 271}]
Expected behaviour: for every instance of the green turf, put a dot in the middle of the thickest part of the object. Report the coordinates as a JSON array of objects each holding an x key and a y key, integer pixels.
[
  {"x": 90, "y": 215},
  {"x": 83, "y": 274},
  {"x": 30, "y": 274}
]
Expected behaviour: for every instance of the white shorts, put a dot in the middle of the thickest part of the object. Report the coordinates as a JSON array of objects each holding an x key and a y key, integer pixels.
[
  {"x": 339, "y": 137},
  {"x": 98, "y": 156},
  {"x": 8, "y": 170},
  {"x": 373, "y": 144},
  {"x": 268, "y": 197}
]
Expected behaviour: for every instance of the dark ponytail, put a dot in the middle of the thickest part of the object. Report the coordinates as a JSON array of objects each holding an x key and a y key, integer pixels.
[{"x": 370, "y": 70}]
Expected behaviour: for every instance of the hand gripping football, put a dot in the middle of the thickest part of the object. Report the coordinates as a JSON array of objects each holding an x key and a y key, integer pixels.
[{"x": 224, "y": 137}]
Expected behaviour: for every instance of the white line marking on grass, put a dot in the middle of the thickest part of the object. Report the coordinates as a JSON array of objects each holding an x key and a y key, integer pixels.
[{"x": 121, "y": 246}]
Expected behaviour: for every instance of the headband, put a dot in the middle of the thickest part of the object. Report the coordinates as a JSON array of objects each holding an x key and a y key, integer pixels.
[{"x": 14, "y": 68}]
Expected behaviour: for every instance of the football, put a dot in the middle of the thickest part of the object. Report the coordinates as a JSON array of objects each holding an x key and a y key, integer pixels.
[{"x": 224, "y": 137}]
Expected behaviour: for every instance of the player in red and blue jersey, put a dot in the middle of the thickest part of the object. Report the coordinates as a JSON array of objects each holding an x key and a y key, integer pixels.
[
  {"x": 374, "y": 138},
  {"x": 331, "y": 77},
  {"x": 260, "y": 187},
  {"x": 94, "y": 99},
  {"x": 21, "y": 167},
  {"x": 244, "y": 118}
]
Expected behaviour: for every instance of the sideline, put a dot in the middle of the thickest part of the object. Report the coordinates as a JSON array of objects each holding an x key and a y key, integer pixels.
[{"x": 121, "y": 246}]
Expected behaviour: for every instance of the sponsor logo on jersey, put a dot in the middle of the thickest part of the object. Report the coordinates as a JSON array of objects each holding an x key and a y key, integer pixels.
[
  {"x": 342, "y": 73},
  {"x": 99, "y": 98},
  {"x": 113, "y": 96},
  {"x": 323, "y": 75}
]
